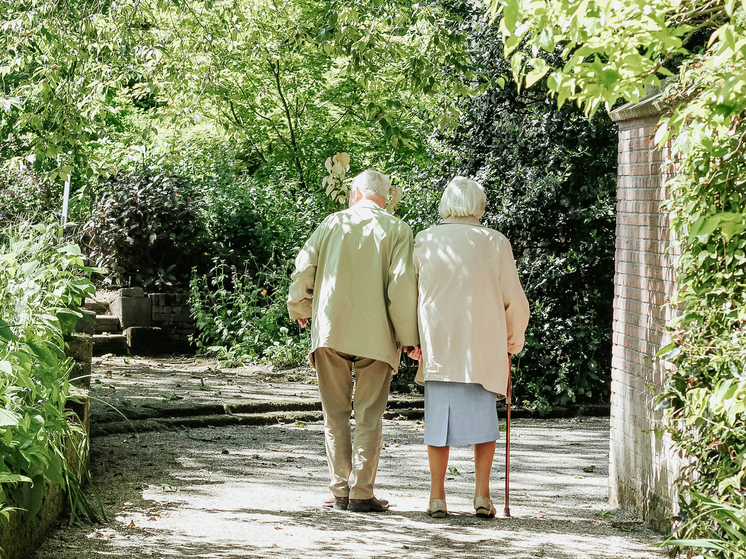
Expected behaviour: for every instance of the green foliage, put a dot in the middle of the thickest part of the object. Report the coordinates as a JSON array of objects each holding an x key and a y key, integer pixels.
[
  {"x": 141, "y": 230},
  {"x": 25, "y": 195},
  {"x": 707, "y": 385},
  {"x": 725, "y": 530},
  {"x": 550, "y": 177},
  {"x": 64, "y": 66},
  {"x": 243, "y": 317},
  {"x": 294, "y": 81},
  {"x": 609, "y": 51},
  {"x": 551, "y": 180},
  {"x": 42, "y": 284}
]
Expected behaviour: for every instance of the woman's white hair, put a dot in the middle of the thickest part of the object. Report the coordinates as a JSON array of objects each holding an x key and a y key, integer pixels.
[
  {"x": 371, "y": 183},
  {"x": 462, "y": 198}
]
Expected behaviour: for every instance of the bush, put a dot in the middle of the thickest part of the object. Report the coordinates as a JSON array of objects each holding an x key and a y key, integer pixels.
[
  {"x": 550, "y": 177},
  {"x": 705, "y": 391},
  {"x": 42, "y": 284},
  {"x": 243, "y": 318},
  {"x": 27, "y": 195},
  {"x": 142, "y": 230},
  {"x": 256, "y": 221}
]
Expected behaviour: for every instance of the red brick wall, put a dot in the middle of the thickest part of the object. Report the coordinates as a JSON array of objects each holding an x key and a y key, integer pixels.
[{"x": 642, "y": 466}]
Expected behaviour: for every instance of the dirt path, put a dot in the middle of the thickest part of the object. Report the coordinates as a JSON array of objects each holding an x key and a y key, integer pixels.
[{"x": 254, "y": 490}]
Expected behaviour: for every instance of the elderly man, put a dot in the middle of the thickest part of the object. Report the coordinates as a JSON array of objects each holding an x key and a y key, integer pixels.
[{"x": 355, "y": 277}]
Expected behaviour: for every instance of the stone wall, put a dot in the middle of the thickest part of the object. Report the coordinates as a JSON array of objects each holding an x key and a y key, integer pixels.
[
  {"x": 153, "y": 323},
  {"x": 19, "y": 537},
  {"x": 171, "y": 313},
  {"x": 643, "y": 468}
]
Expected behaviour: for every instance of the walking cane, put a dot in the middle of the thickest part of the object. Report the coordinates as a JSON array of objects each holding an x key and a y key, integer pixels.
[{"x": 506, "y": 510}]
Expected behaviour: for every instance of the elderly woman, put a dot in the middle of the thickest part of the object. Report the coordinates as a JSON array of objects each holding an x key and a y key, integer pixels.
[{"x": 472, "y": 314}]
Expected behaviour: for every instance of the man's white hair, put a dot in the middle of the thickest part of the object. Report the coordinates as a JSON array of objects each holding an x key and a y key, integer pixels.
[
  {"x": 462, "y": 198},
  {"x": 371, "y": 183}
]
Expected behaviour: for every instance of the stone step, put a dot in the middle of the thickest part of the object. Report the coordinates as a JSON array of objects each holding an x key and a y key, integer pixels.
[
  {"x": 110, "y": 343},
  {"x": 98, "y": 308},
  {"x": 107, "y": 323},
  {"x": 87, "y": 323}
]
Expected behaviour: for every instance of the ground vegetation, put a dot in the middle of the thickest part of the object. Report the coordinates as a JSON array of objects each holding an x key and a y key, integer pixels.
[{"x": 42, "y": 442}]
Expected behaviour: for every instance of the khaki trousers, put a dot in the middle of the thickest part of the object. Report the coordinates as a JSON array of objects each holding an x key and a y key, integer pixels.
[{"x": 352, "y": 466}]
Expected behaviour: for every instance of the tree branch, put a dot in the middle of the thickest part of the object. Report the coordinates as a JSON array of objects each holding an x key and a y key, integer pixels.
[{"x": 276, "y": 72}]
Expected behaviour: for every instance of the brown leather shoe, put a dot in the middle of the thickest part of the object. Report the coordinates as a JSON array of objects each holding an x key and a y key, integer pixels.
[
  {"x": 368, "y": 505},
  {"x": 339, "y": 503}
]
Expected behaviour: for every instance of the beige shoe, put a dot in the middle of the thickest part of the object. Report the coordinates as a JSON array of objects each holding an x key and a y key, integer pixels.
[
  {"x": 437, "y": 509},
  {"x": 484, "y": 507}
]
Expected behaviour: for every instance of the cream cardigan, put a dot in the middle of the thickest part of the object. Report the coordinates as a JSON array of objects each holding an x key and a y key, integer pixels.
[{"x": 472, "y": 311}]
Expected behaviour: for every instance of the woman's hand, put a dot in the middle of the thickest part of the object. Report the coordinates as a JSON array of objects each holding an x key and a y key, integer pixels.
[{"x": 414, "y": 352}]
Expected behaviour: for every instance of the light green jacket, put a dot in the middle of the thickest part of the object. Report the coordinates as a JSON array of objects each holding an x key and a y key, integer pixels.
[{"x": 355, "y": 278}]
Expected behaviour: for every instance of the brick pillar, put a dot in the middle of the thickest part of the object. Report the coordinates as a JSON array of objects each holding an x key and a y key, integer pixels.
[{"x": 643, "y": 468}]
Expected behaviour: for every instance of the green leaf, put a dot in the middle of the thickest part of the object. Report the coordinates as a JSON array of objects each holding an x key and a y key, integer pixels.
[
  {"x": 9, "y": 418},
  {"x": 7, "y": 477},
  {"x": 540, "y": 68},
  {"x": 29, "y": 496},
  {"x": 6, "y": 333}
]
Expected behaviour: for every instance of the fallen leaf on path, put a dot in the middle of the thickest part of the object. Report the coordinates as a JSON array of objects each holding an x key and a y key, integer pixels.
[{"x": 131, "y": 524}]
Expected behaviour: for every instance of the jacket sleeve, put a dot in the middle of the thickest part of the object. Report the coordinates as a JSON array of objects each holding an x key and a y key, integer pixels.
[
  {"x": 402, "y": 290},
  {"x": 300, "y": 294},
  {"x": 516, "y": 303}
]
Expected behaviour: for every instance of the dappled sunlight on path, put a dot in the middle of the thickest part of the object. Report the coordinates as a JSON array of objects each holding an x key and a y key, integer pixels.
[{"x": 254, "y": 491}]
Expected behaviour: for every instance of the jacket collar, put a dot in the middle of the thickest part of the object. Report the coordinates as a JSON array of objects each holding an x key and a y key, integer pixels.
[
  {"x": 367, "y": 203},
  {"x": 469, "y": 220}
]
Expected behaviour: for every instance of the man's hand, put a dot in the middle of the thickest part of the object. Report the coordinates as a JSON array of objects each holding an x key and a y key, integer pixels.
[
  {"x": 414, "y": 352},
  {"x": 303, "y": 322}
]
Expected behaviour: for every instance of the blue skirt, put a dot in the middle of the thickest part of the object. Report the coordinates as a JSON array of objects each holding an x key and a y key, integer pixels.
[{"x": 458, "y": 413}]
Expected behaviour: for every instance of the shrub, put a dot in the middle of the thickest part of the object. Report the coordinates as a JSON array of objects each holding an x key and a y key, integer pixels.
[
  {"x": 42, "y": 283},
  {"x": 142, "y": 230},
  {"x": 705, "y": 392},
  {"x": 25, "y": 195},
  {"x": 243, "y": 318},
  {"x": 550, "y": 177}
]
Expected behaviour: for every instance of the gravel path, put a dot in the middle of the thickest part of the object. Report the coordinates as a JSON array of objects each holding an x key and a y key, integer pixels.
[{"x": 254, "y": 490}]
